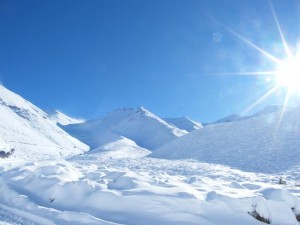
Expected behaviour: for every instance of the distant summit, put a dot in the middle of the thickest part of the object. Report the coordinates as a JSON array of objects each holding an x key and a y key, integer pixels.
[
  {"x": 231, "y": 118},
  {"x": 184, "y": 123},
  {"x": 63, "y": 119},
  {"x": 269, "y": 109}
]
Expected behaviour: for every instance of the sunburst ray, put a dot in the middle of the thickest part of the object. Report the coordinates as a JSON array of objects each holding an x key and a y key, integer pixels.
[
  {"x": 271, "y": 91},
  {"x": 245, "y": 40},
  {"x": 283, "y": 39}
]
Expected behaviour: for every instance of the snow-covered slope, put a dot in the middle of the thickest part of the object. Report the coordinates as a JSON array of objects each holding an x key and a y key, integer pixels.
[
  {"x": 4, "y": 146},
  {"x": 64, "y": 119},
  {"x": 184, "y": 123},
  {"x": 231, "y": 118},
  {"x": 139, "y": 125},
  {"x": 28, "y": 130},
  {"x": 265, "y": 143}
]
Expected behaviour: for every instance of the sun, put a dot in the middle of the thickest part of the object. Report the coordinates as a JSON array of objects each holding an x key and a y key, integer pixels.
[
  {"x": 285, "y": 70},
  {"x": 288, "y": 74}
]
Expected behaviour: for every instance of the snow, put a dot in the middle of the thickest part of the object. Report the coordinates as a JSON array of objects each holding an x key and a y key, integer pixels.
[
  {"x": 117, "y": 183},
  {"x": 127, "y": 123},
  {"x": 4, "y": 146},
  {"x": 64, "y": 119},
  {"x": 264, "y": 143},
  {"x": 184, "y": 123},
  {"x": 142, "y": 190},
  {"x": 30, "y": 132}
]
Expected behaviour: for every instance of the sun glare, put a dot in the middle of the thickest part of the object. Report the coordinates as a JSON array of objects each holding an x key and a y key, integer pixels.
[
  {"x": 288, "y": 74},
  {"x": 285, "y": 73}
]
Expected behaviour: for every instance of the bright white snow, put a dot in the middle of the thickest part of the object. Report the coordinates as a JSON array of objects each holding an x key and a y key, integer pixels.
[
  {"x": 184, "y": 123},
  {"x": 263, "y": 143},
  {"x": 30, "y": 132},
  {"x": 64, "y": 119},
  {"x": 117, "y": 183},
  {"x": 139, "y": 125}
]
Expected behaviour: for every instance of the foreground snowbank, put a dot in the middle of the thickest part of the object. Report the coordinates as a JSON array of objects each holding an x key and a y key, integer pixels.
[{"x": 62, "y": 192}]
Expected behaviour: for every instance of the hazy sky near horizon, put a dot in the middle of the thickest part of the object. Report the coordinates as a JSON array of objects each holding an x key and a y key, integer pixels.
[{"x": 87, "y": 58}]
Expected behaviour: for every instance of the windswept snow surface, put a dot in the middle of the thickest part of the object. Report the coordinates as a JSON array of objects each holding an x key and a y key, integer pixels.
[
  {"x": 30, "y": 132},
  {"x": 96, "y": 189},
  {"x": 64, "y": 119},
  {"x": 264, "y": 143},
  {"x": 138, "y": 125},
  {"x": 184, "y": 123}
]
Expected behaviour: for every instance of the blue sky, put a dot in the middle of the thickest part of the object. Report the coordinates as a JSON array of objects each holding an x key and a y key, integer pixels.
[{"x": 87, "y": 58}]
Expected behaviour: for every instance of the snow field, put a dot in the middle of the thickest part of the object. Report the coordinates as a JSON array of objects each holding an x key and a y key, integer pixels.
[{"x": 123, "y": 193}]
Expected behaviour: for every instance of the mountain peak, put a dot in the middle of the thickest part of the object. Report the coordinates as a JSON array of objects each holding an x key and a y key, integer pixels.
[
  {"x": 63, "y": 119},
  {"x": 139, "y": 125}
]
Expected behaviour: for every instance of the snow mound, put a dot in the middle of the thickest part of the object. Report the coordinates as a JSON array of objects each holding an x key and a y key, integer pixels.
[
  {"x": 275, "y": 212},
  {"x": 265, "y": 143},
  {"x": 28, "y": 130},
  {"x": 184, "y": 123},
  {"x": 64, "y": 119},
  {"x": 138, "y": 125}
]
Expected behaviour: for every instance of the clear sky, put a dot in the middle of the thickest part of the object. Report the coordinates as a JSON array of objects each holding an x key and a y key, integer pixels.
[{"x": 87, "y": 58}]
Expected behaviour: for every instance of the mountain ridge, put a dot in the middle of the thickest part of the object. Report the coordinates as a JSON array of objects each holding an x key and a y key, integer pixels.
[
  {"x": 28, "y": 129},
  {"x": 139, "y": 125}
]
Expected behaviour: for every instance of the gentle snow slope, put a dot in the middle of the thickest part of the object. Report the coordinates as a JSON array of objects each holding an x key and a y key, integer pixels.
[
  {"x": 139, "y": 125},
  {"x": 28, "y": 129},
  {"x": 264, "y": 143},
  {"x": 184, "y": 123},
  {"x": 63, "y": 119}
]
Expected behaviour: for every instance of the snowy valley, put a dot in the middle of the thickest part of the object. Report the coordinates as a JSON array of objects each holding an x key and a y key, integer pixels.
[{"x": 132, "y": 167}]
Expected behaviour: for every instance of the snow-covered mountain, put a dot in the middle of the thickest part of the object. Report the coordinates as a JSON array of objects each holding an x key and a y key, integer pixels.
[
  {"x": 28, "y": 130},
  {"x": 231, "y": 118},
  {"x": 138, "y": 125},
  {"x": 64, "y": 119},
  {"x": 269, "y": 109},
  {"x": 267, "y": 142},
  {"x": 235, "y": 117},
  {"x": 184, "y": 123}
]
